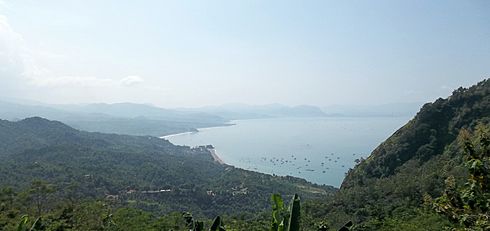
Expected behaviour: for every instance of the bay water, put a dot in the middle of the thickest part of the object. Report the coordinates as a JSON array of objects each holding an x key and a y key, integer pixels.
[{"x": 318, "y": 149}]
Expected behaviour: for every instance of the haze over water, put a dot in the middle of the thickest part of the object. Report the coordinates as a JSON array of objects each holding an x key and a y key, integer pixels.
[{"x": 320, "y": 150}]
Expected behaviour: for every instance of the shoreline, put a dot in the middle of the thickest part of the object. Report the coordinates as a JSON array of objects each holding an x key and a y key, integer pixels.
[
  {"x": 215, "y": 156},
  {"x": 177, "y": 134},
  {"x": 212, "y": 150},
  {"x": 196, "y": 131}
]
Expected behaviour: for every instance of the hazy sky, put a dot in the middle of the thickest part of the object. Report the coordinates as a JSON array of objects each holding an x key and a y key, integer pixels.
[{"x": 192, "y": 53}]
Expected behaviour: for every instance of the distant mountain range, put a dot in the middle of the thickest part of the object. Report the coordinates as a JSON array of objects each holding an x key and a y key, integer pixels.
[
  {"x": 245, "y": 111},
  {"x": 141, "y": 111},
  {"x": 124, "y": 118},
  {"x": 143, "y": 119},
  {"x": 393, "y": 110}
]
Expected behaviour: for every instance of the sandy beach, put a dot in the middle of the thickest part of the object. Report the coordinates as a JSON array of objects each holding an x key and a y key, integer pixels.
[
  {"x": 197, "y": 130},
  {"x": 215, "y": 156},
  {"x": 177, "y": 134},
  {"x": 211, "y": 150}
]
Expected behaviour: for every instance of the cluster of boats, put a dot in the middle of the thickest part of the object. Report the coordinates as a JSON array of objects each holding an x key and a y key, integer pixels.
[{"x": 301, "y": 164}]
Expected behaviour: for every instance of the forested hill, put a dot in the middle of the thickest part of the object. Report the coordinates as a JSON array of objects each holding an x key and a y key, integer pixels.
[
  {"x": 137, "y": 171},
  {"x": 434, "y": 127},
  {"x": 413, "y": 162},
  {"x": 36, "y": 133}
]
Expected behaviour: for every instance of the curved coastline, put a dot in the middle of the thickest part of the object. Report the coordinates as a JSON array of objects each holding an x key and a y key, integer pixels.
[
  {"x": 177, "y": 134},
  {"x": 212, "y": 150},
  {"x": 195, "y": 131}
]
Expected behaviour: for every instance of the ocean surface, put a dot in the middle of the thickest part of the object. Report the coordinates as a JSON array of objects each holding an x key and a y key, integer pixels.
[{"x": 320, "y": 150}]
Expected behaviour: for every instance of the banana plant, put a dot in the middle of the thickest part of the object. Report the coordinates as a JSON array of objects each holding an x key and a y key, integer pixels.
[
  {"x": 294, "y": 217},
  {"x": 217, "y": 225},
  {"x": 285, "y": 219},
  {"x": 24, "y": 224},
  {"x": 348, "y": 226},
  {"x": 278, "y": 213},
  {"x": 199, "y": 226},
  {"x": 195, "y": 225}
]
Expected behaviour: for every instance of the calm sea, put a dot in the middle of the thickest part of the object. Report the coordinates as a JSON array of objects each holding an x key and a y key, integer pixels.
[{"x": 320, "y": 150}]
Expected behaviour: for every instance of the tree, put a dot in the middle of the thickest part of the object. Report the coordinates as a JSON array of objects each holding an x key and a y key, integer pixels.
[
  {"x": 39, "y": 192},
  {"x": 7, "y": 196},
  {"x": 469, "y": 206}
]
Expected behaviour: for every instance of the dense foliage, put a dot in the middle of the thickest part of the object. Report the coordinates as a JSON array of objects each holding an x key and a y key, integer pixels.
[{"x": 469, "y": 205}]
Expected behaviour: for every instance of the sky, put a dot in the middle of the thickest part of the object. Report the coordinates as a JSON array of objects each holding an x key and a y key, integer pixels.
[{"x": 196, "y": 53}]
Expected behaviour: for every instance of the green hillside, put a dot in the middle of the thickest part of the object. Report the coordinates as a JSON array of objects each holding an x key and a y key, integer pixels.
[
  {"x": 389, "y": 186},
  {"x": 140, "y": 172}
]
